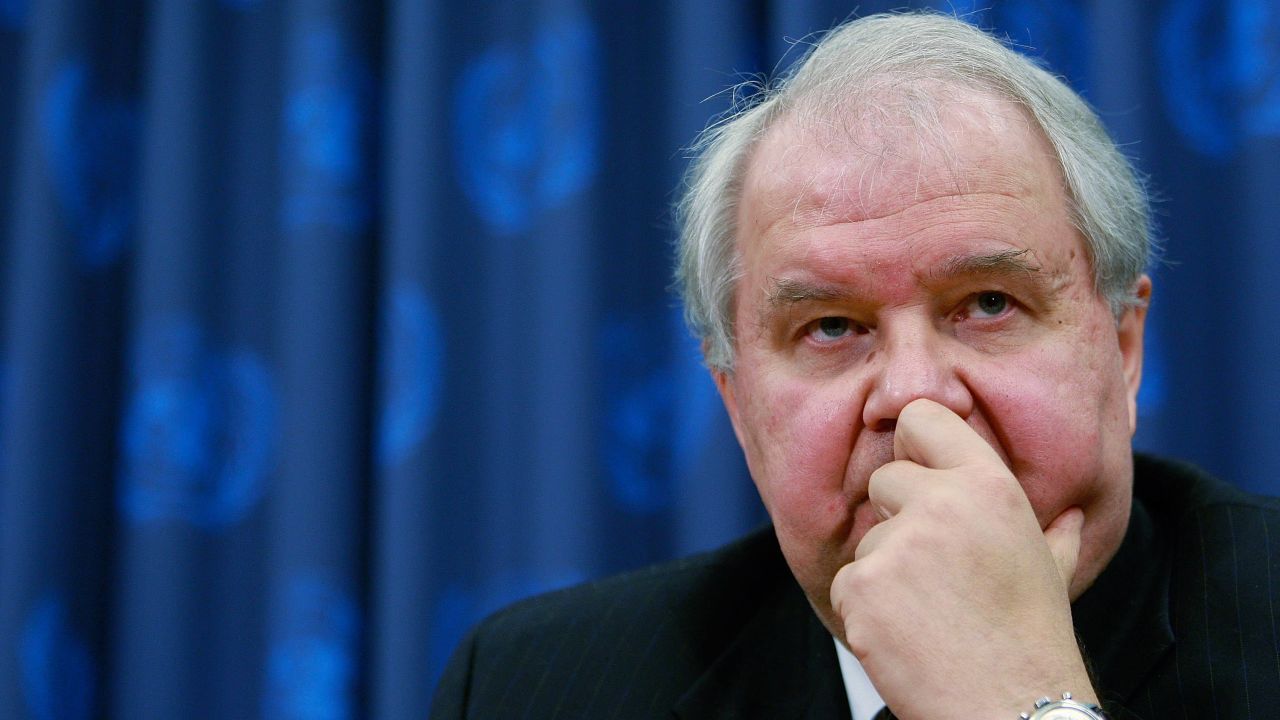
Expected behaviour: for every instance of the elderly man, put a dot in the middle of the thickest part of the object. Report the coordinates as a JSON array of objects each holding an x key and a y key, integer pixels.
[{"x": 917, "y": 268}]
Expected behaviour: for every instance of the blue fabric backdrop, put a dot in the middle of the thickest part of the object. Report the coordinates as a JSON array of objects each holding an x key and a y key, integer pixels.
[{"x": 328, "y": 327}]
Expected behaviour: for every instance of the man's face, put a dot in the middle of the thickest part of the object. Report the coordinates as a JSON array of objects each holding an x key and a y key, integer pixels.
[{"x": 879, "y": 267}]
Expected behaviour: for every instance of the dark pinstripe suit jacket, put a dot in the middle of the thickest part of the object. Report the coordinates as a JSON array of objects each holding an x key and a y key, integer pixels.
[{"x": 1181, "y": 624}]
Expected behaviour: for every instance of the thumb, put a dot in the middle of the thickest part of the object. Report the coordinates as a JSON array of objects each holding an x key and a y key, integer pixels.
[{"x": 1063, "y": 536}]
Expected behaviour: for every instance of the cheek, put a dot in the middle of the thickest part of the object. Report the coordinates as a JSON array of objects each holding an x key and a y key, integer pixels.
[
  {"x": 1056, "y": 418},
  {"x": 798, "y": 439}
]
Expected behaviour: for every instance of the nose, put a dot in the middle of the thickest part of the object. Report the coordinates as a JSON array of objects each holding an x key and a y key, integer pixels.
[{"x": 913, "y": 363}]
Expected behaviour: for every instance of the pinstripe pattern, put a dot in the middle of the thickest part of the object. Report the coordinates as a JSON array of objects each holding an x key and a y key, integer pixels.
[
  {"x": 636, "y": 647},
  {"x": 1211, "y": 558},
  {"x": 1181, "y": 624}
]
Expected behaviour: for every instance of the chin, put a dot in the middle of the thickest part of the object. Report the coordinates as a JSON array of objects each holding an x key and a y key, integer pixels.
[{"x": 1101, "y": 539}]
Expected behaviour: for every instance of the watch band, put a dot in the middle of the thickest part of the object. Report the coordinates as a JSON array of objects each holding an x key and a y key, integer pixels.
[{"x": 1064, "y": 709}]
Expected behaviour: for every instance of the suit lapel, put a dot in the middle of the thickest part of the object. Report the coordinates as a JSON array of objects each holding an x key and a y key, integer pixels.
[{"x": 782, "y": 665}]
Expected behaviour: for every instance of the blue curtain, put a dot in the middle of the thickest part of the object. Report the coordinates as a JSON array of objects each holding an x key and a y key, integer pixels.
[{"x": 329, "y": 327}]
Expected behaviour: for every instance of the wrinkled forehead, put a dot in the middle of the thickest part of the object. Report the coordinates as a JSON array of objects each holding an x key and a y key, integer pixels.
[{"x": 872, "y": 158}]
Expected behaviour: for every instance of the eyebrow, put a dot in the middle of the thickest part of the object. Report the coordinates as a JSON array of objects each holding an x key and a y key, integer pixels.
[
  {"x": 789, "y": 292},
  {"x": 1008, "y": 263}
]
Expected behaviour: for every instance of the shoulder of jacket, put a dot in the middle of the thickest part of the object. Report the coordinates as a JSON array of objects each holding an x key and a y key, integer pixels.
[{"x": 705, "y": 589}]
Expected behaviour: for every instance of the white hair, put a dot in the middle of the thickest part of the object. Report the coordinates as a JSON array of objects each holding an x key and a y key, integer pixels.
[{"x": 855, "y": 63}]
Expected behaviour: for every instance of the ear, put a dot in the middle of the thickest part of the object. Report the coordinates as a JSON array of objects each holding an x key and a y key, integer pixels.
[
  {"x": 1129, "y": 333},
  {"x": 724, "y": 383}
]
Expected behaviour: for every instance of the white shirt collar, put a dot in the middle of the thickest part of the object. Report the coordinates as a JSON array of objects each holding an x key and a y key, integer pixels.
[{"x": 864, "y": 701}]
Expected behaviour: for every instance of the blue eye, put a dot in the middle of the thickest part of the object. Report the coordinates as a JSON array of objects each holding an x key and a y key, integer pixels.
[
  {"x": 833, "y": 327},
  {"x": 830, "y": 328},
  {"x": 991, "y": 303}
]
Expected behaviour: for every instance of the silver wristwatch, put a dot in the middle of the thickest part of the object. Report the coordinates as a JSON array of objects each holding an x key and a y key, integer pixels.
[{"x": 1064, "y": 709}]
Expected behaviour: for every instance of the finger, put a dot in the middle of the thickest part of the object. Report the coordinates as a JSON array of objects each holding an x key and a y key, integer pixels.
[
  {"x": 932, "y": 435},
  {"x": 873, "y": 538},
  {"x": 1063, "y": 536},
  {"x": 892, "y": 485}
]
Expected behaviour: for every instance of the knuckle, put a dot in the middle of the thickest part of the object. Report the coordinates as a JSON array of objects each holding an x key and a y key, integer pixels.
[
  {"x": 926, "y": 538},
  {"x": 854, "y": 579},
  {"x": 867, "y": 574},
  {"x": 938, "y": 506}
]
